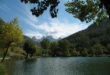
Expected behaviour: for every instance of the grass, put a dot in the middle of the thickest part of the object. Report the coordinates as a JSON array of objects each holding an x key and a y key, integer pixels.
[{"x": 2, "y": 69}]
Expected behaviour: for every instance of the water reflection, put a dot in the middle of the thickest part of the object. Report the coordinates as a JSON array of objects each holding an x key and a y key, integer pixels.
[{"x": 61, "y": 66}]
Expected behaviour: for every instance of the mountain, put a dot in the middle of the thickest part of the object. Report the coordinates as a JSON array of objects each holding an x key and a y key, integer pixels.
[
  {"x": 49, "y": 37},
  {"x": 35, "y": 39},
  {"x": 27, "y": 38},
  {"x": 32, "y": 39},
  {"x": 95, "y": 37}
]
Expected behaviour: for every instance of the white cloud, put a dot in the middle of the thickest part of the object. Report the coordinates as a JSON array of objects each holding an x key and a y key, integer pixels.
[
  {"x": 56, "y": 28},
  {"x": 61, "y": 29}
]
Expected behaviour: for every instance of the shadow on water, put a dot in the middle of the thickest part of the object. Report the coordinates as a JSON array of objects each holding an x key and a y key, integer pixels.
[{"x": 61, "y": 66}]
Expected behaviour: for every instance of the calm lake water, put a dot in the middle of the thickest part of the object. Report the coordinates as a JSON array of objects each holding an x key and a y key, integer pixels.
[{"x": 61, "y": 66}]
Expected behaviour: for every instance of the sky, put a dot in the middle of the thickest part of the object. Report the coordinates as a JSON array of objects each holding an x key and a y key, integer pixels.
[{"x": 62, "y": 26}]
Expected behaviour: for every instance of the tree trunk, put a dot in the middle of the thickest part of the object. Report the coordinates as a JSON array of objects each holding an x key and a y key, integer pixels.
[{"x": 5, "y": 53}]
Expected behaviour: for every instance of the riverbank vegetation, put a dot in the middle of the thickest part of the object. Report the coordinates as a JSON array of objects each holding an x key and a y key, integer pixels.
[
  {"x": 89, "y": 42},
  {"x": 13, "y": 42},
  {"x": 11, "y": 34}
]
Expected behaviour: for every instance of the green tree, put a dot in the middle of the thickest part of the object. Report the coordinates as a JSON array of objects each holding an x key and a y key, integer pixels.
[
  {"x": 63, "y": 48},
  {"x": 74, "y": 52},
  {"x": 10, "y": 34},
  {"x": 98, "y": 49},
  {"x": 43, "y": 5},
  {"x": 38, "y": 51},
  {"x": 84, "y": 52},
  {"x": 83, "y": 9},
  {"x": 108, "y": 48},
  {"x": 30, "y": 48},
  {"x": 2, "y": 22},
  {"x": 86, "y": 10},
  {"x": 45, "y": 44},
  {"x": 53, "y": 48}
]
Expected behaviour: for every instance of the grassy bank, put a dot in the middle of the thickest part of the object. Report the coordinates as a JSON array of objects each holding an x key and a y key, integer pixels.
[{"x": 2, "y": 69}]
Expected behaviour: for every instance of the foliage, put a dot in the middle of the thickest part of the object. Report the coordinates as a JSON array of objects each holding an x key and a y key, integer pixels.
[
  {"x": 2, "y": 69},
  {"x": 16, "y": 53},
  {"x": 98, "y": 49},
  {"x": 74, "y": 52},
  {"x": 53, "y": 48},
  {"x": 108, "y": 47},
  {"x": 63, "y": 48},
  {"x": 30, "y": 48},
  {"x": 38, "y": 51},
  {"x": 43, "y": 5},
  {"x": 86, "y": 10},
  {"x": 10, "y": 34},
  {"x": 85, "y": 52},
  {"x": 2, "y": 22},
  {"x": 45, "y": 44}
]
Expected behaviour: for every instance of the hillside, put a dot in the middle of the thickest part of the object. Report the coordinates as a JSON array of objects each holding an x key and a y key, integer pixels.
[{"x": 95, "y": 39}]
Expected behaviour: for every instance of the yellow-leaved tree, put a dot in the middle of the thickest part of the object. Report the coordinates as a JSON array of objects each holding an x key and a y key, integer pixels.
[{"x": 10, "y": 34}]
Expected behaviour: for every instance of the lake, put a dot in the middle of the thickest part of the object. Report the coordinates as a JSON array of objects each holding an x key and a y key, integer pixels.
[{"x": 61, "y": 66}]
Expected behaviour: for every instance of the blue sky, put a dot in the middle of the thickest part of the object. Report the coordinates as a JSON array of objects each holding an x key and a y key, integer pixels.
[{"x": 62, "y": 26}]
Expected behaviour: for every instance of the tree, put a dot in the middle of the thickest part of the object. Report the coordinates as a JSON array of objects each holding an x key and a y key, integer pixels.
[
  {"x": 10, "y": 34},
  {"x": 45, "y": 44},
  {"x": 30, "y": 48},
  {"x": 2, "y": 22},
  {"x": 106, "y": 4},
  {"x": 74, "y": 52},
  {"x": 85, "y": 10},
  {"x": 53, "y": 48},
  {"x": 38, "y": 51},
  {"x": 43, "y": 5},
  {"x": 85, "y": 52},
  {"x": 108, "y": 48},
  {"x": 63, "y": 48},
  {"x": 98, "y": 49}
]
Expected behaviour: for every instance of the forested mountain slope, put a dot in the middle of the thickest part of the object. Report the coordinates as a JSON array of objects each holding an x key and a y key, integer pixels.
[{"x": 94, "y": 40}]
